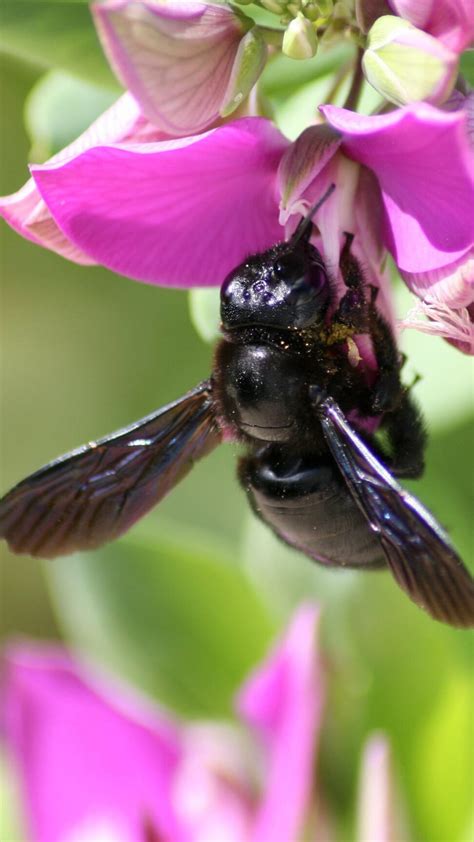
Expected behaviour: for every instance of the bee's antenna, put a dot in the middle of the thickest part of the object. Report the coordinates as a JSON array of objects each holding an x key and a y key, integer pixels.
[{"x": 306, "y": 223}]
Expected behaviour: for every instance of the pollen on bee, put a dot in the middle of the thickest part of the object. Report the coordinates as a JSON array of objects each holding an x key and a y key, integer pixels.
[{"x": 353, "y": 353}]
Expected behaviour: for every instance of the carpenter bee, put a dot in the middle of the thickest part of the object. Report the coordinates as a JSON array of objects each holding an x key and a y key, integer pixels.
[{"x": 284, "y": 386}]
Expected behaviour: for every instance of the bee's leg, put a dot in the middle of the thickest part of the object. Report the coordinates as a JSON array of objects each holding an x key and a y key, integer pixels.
[
  {"x": 387, "y": 392},
  {"x": 363, "y": 316},
  {"x": 352, "y": 309},
  {"x": 405, "y": 433},
  {"x": 407, "y": 438}
]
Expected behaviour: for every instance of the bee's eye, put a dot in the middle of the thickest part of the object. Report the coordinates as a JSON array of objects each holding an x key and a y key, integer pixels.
[
  {"x": 288, "y": 267},
  {"x": 316, "y": 277}
]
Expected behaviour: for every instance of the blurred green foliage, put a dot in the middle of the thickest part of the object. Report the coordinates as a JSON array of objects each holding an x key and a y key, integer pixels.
[
  {"x": 194, "y": 625},
  {"x": 188, "y": 602}
]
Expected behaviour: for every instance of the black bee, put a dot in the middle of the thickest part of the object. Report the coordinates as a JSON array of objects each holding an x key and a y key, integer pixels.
[{"x": 284, "y": 386}]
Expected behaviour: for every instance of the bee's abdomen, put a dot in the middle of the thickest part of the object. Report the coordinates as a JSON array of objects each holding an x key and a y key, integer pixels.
[{"x": 310, "y": 508}]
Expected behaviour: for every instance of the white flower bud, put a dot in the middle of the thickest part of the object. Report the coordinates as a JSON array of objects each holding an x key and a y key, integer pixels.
[
  {"x": 300, "y": 40},
  {"x": 406, "y": 64}
]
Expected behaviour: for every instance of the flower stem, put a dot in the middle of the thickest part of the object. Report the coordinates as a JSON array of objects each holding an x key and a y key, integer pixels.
[
  {"x": 272, "y": 37},
  {"x": 357, "y": 79},
  {"x": 339, "y": 80}
]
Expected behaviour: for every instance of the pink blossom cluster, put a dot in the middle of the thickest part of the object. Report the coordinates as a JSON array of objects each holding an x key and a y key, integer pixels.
[
  {"x": 96, "y": 763},
  {"x": 171, "y": 188}
]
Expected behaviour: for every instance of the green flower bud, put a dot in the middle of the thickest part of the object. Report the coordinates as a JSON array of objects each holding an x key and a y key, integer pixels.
[
  {"x": 248, "y": 65},
  {"x": 325, "y": 7},
  {"x": 407, "y": 65},
  {"x": 293, "y": 8},
  {"x": 278, "y": 7},
  {"x": 300, "y": 40},
  {"x": 310, "y": 9}
]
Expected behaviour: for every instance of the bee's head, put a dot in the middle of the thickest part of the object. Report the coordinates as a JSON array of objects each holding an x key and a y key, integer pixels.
[
  {"x": 286, "y": 286},
  {"x": 283, "y": 287}
]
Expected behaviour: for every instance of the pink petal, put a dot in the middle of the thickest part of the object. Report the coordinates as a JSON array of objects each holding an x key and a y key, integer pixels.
[
  {"x": 211, "y": 791},
  {"x": 177, "y": 213},
  {"x": 451, "y": 21},
  {"x": 308, "y": 168},
  {"x": 452, "y": 284},
  {"x": 368, "y": 242},
  {"x": 423, "y": 163},
  {"x": 26, "y": 212},
  {"x": 302, "y": 162},
  {"x": 311, "y": 164},
  {"x": 378, "y": 809},
  {"x": 463, "y": 102},
  {"x": 84, "y": 761},
  {"x": 176, "y": 58},
  {"x": 283, "y": 700},
  {"x": 456, "y": 325}
]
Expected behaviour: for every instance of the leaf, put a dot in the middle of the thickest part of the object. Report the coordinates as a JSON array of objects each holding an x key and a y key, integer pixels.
[
  {"x": 204, "y": 310},
  {"x": 467, "y": 66},
  {"x": 445, "y": 762},
  {"x": 168, "y": 614},
  {"x": 282, "y": 74},
  {"x": 59, "y": 35},
  {"x": 59, "y": 108}
]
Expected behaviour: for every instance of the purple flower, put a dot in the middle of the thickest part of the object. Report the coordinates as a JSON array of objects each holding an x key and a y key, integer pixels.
[
  {"x": 96, "y": 762},
  {"x": 451, "y": 21},
  {"x": 26, "y": 211},
  {"x": 446, "y": 292},
  {"x": 184, "y": 212}
]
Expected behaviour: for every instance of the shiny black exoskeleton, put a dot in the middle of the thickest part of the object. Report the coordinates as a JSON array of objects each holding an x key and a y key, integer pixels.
[
  {"x": 283, "y": 337},
  {"x": 289, "y": 383}
]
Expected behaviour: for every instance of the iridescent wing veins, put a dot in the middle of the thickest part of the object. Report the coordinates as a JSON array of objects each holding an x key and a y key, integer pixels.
[
  {"x": 95, "y": 493},
  {"x": 418, "y": 551}
]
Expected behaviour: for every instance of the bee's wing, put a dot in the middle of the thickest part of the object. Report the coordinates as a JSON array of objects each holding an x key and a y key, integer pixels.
[
  {"x": 418, "y": 551},
  {"x": 96, "y": 493}
]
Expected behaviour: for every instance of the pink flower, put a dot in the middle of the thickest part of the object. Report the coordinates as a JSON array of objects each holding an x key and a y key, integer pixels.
[
  {"x": 451, "y": 21},
  {"x": 187, "y": 62},
  {"x": 185, "y": 212},
  {"x": 446, "y": 292},
  {"x": 425, "y": 171},
  {"x": 379, "y": 816},
  {"x": 96, "y": 762},
  {"x": 28, "y": 214}
]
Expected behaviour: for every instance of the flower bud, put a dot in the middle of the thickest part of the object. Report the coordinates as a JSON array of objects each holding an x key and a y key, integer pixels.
[
  {"x": 278, "y": 7},
  {"x": 407, "y": 65},
  {"x": 300, "y": 40},
  {"x": 311, "y": 11},
  {"x": 249, "y": 62},
  {"x": 325, "y": 7}
]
